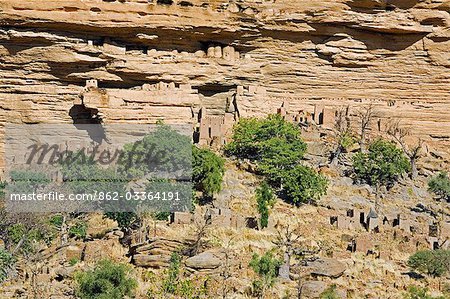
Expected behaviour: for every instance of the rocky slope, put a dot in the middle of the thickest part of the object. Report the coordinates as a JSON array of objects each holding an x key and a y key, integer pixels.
[
  {"x": 344, "y": 52},
  {"x": 375, "y": 269}
]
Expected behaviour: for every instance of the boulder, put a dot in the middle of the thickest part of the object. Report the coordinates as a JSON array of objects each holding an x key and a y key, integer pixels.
[
  {"x": 151, "y": 261},
  {"x": 100, "y": 249},
  {"x": 327, "y": 267},
  {"x": 99, "y": 226},
  {"x": 313, "y": 289},
  {"x": 205, "y": 260}
]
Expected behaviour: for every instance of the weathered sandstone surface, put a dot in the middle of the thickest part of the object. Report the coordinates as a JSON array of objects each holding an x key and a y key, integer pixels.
[{"x": 166, "y": 59}]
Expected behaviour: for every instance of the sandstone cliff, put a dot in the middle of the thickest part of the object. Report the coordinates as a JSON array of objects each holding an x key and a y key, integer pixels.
[{"x": 165, "y": 59}]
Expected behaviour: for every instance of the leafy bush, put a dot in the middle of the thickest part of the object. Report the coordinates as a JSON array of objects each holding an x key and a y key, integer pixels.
[
  {"x": 26, "y": 181},
  {"x": 78, "y": 230},
  {"x": 207, "y": 171},
  {"x": 266, "y": 266},
  {"x": 16, "y": 232},
  {"x": 440, "y": 185},
  {"x": 73, "y": 261},
  {"x": 57, "y": 221},
  {"x": 265, "y": 199},
  {"x": 174, "y": 285},
  {"x": 329, "y": 293},
  {"x": 107, "y": 280},
  {"x": 432, "y": 262},
  {"x": 28, "y": 176},
  {"x": 82, "y": 175},
  {"x": 415, "y": 292},
  {"x": 170, "y": 283},
  {"x": 124, "y": 219},
  {"x": 24, "y": 231},
  {"x": 280, "y": 154},
  {"x": 303, "y": 185},
  {"x": 6, "y": 263},
  {"x": 381, "y": 165},
  {"x": 272, "y": 143},
  {"x": 19, "y": 233}
]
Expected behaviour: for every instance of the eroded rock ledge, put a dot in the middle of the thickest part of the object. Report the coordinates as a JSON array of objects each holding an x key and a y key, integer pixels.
[{"x": 333, "y": 53}]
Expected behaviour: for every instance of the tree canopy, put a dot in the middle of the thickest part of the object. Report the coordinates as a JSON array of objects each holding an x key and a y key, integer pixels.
[
  {"x": 107, "y": 280},
  {"x": 382, "y": 165},
  {"x": 440, "y": 185},
  {"x": 165, "y": 150},
  {"x": 302, "y": 184},
  {"x": 207, "y": 170},
  {"x": 276, "y": 147},
  {"x": 266, "y": 266},
  {"x": 431, "y": 262},
  {"x": 272, "y": 141}
]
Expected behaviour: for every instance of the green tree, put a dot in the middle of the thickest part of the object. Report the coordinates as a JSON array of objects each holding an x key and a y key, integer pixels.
[
  {"x": 435, "y": 263},
  {"x": 329, "y": 293},
  {"x": 265, "y": 200},
  {"x": 83, "y": 175},
  {"x": 272, "y": 142},
  {"x": 440, "y": 185},
  {"x": 162, "y": 159},
  {"x": 266, "y": 266},
  {"x": 278, "y": 155},
  {"x": 23, "y": 237},
  {"x": 107, "y": 280},
  {"x": 207, "y": 170},
  {"x": 164, "y": 150},
  {"x": 275, "y": 145},
  {"x": 382, "y": 165},
  {"x": 303, "y": 185}
]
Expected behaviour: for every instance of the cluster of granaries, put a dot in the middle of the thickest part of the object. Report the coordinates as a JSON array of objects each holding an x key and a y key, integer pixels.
[{"x": 436, "y": 234}]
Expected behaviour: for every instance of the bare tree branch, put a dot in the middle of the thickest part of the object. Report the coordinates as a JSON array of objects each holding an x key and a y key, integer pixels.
[
  {"x": 343, "y": 133},
  {"x": 399, "y": 134},
  {"x": 365, "y": 115}
]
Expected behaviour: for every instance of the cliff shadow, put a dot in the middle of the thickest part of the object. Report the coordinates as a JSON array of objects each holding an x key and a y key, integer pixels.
[{"x": 88, "y": 119}]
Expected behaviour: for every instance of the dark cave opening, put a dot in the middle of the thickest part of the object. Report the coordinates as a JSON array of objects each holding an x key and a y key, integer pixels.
[{"x": 83, "y": 115}]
